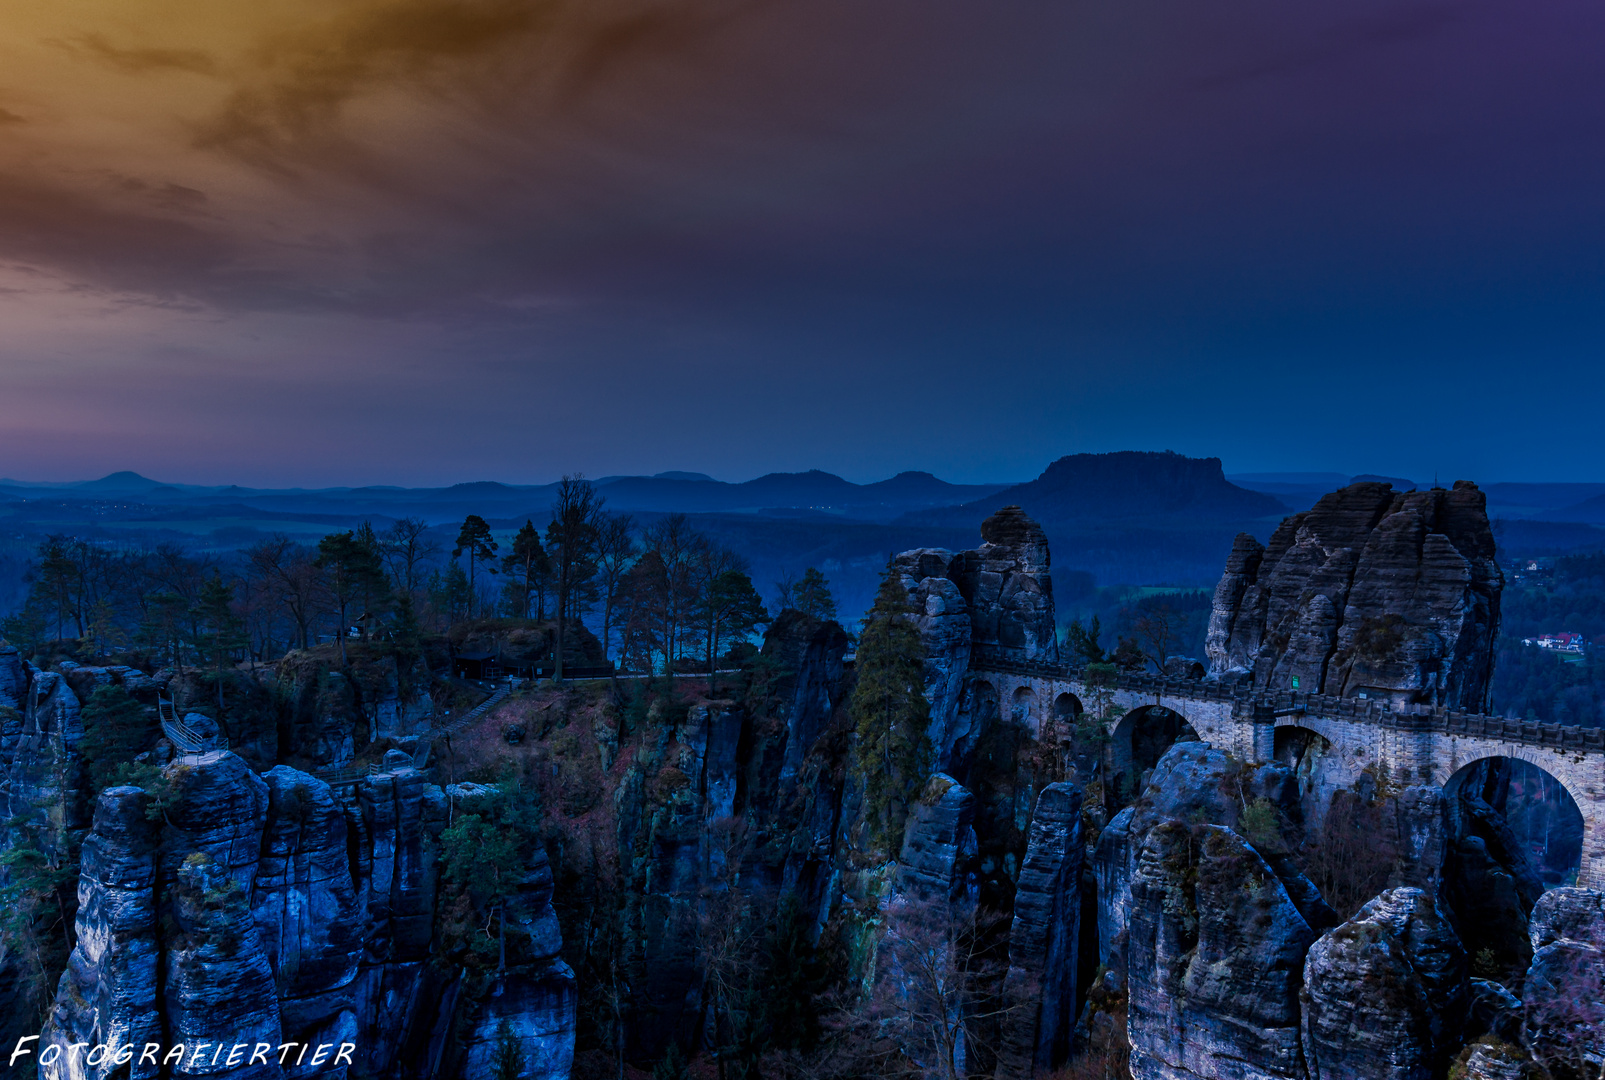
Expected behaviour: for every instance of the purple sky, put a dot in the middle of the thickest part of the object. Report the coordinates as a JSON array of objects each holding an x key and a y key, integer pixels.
[{"x": 420, "y": 241}]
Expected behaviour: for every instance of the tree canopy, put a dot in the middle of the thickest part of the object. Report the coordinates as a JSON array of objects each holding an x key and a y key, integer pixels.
[{"x": 889, "y": 710}]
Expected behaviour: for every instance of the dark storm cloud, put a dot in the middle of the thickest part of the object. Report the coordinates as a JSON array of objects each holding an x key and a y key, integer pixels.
[
  {"x": 90, "y": 241},
  {"x": 484, "y": 57},
  {"x": 139, "y": 61},
  {"x": 1176, "y": 210}
]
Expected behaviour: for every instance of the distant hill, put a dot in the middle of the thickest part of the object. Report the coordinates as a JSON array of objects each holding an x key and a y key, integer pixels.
[
  {"x": 808, "y": 493},
  {"x": 1590, "y": 512},
  {"x": 1127, "y": 486}
]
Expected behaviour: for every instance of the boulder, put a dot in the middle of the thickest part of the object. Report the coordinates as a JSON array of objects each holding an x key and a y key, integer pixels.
[
  {"x": 1385, "y": 994},
  {"x": 1214, "y": 960},
  {"x": 1496, "y": 1060}
]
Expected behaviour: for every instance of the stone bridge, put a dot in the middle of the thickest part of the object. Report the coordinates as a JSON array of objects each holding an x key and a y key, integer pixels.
[{"x": 1408, "y": 744}]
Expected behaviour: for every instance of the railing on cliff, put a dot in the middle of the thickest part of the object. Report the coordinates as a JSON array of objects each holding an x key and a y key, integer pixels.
[
  {"x": 1267, "y": 705},
  {"x": 178, "y": 733},
  {"x": 336, "y": 776}
]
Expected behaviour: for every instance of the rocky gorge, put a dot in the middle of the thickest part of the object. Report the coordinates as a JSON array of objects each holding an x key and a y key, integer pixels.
[{"x": 601, "y": 879}]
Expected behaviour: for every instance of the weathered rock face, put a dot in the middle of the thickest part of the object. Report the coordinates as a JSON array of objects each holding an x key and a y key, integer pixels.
[
  {"x": 938, "y": 842},
  {"x": 1564, "y": 991},
  {"x": 682, "y": 824},
  {"x": 1391, "y": 595},
  {"x": 1214, "y": 959},
  {"x": 43, "y": 781},
  {"x": 1385, "y": 994},
  {"x": 107, "y": 995},
  {"x": 1577, "y": 914},
  {"x": 325, "y": 712},
  {"x": 996, "y": 596},
  {"x": 287, "y": 915},
  {"x": 1006, "y": 585},
  {"x": 1496, "y": 1061},
  {"x": 529, "y": 1013},
  {"x": 400, "y": 816},
  {"x": 219, "y": 986},
  {"x": 535, "y": 1015},
  {"x": 1191, "y": 783},
  {"x": 943, "y": 618},
  {"x": 1489, "y": 882},
  {"x": 13, "y": 678},
  {"x": 1044, "y": 936},
  {"x": 809, "y": 653},
  {"x": 303, "y": 900},
  {"x": 1207, "y": 930}
]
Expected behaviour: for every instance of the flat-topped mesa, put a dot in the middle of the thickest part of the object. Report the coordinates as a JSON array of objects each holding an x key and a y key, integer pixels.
[{"x": 1371, "y": 593}]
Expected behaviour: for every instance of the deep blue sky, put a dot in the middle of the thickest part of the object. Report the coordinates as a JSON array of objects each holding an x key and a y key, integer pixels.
[{"x": 424, "y": 241}]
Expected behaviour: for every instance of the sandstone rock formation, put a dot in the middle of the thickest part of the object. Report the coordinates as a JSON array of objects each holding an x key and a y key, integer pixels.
[
  {"x": 113, "y": 968},
  {"x": 1207, "y": 930},
  {"x": 998, "y": 596},
  {"x": 1564, "y": 989},
  {"x": 43, "y": 781},
  {"x": 1195, "y": 783},
  {"x": 1489, "y": 880},
  {"x": 1045, "y": 935},
  {"x": 533, "y": 1009},
  {"x": 1385, "y": 993},
  {"x": 943, "y": 618},
  {"x": 272, "y": 909},
  {"x": 13, "y": 678},
  {"x": 938, "y": 840},
  {"x": 808, "y": 653},
  {"x": 1214, "y": 959},
  {"x": 1369, "y": 593},
  {"x": 1006, "y": 586}
]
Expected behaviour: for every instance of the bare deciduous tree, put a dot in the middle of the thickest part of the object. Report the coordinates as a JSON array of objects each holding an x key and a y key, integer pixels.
[
  {"x": 287, "y": 572},
  {"x": 615, "y": 554},
  {"x": 939, "y": 990},
  {"x": 407, "y": 549}
]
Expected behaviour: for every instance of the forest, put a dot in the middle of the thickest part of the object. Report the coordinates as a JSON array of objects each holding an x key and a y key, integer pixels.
[
  {"x": 1560, "y": 595},
  {"x": 661, "y": 597}
]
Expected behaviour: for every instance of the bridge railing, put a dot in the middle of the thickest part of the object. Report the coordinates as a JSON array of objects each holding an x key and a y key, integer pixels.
[{"x": 1272, "y": 703}]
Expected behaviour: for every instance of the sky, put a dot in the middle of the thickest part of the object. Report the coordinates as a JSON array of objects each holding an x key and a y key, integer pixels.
[{"x": 430, "y": 241}]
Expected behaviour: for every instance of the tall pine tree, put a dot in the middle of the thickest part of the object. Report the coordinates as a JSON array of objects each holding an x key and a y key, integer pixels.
[{"x": 889, "y": 710}]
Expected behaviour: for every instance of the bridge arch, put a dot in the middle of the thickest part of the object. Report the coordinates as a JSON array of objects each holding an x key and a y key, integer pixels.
[
  {"x": 1514, "y": 830},
  {"x": 1537, "y": 793},
  {"x": 1139, "y": 739},
  {"x": 1067, "y": 708},
  {"x": 1022, "y": 705}
]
